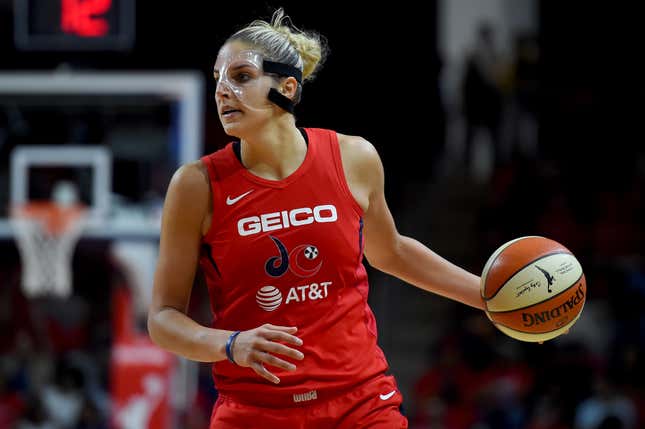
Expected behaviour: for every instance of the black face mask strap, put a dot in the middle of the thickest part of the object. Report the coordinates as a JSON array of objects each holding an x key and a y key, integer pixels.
[
  {"x": 282, "y": 101},
  {"x": 283, "y": 70}
]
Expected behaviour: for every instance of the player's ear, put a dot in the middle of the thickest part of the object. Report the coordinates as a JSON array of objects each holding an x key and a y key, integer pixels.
[{"x": 288, "y": 87}]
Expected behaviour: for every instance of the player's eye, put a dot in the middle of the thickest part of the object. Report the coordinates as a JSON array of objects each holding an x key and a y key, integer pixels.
[{"x": 242, "y": 77}]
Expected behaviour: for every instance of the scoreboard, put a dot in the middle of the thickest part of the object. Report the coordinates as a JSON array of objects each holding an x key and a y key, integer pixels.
[{"x": 71, "y": 25}]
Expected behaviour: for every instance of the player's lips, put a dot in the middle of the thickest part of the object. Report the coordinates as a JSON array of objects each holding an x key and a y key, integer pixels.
[{"x": 228, "y": 110}]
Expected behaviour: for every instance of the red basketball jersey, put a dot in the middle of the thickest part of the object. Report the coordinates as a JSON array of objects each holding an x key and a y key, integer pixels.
[{"x": 289, "y": 252}]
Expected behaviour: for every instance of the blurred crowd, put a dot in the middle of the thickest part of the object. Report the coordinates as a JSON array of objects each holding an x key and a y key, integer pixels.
[
  {"x": 54, "y": 364},
  {"x": 591, "y": 378},
  {"x": 590, "y": 201}
]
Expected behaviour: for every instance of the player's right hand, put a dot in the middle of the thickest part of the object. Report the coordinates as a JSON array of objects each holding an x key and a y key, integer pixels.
[{"x": 256, "y": 347}]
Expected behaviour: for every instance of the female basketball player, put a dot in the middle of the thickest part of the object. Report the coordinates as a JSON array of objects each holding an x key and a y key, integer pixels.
[{"x": 278, "y": 222}]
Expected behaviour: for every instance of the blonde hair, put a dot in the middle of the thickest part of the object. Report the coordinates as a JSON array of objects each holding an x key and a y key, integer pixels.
[{"x": 282, "y": 42}]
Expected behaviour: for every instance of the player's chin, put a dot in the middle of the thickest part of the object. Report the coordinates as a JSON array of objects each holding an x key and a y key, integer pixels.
[{"x": 232, "y": 129}]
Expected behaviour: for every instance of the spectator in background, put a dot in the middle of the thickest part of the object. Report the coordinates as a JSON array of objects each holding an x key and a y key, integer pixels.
[
  {"x": 35, "y": 416},
  {"x": 611, "y": 422},
  {"x": 547, "y": 413},
  {"x": 90, "y": 417},
  {"x": 482, "y": 93},
  {"x": 525, "y": 90},
  {"x": 12, "y": 404},
  {"x": 63, "y": 399},
  {"x": 470, "y": 382},
  {"x": 608, "y": 408},
  {"x": 443, "y": 394}
]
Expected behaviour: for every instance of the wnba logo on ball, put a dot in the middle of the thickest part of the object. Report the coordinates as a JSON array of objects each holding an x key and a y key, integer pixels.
[{"x": 268, "y": 298}]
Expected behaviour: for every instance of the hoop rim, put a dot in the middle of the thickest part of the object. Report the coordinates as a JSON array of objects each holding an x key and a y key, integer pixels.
[{"x": 54, "y": 218}]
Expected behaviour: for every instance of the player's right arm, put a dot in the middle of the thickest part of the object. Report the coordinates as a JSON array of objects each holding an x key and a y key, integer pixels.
[{"x": 185, "y": 209}]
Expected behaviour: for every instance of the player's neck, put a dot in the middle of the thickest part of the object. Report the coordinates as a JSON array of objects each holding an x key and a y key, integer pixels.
[{"x": 276, "y": 151}]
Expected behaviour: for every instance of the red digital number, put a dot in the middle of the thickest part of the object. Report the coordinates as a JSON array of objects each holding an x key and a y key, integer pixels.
[{"x": 83, "y": 17}]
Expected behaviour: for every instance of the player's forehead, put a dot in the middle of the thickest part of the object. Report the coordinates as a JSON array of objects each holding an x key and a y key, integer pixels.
[{"x": 236, "y": 51}]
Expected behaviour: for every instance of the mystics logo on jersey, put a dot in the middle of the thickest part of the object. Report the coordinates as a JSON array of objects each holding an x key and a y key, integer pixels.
[{"x": 303, "y": 261}]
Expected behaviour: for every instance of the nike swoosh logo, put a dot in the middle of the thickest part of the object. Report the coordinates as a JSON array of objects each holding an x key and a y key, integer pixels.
[
  {"x": 230, "y": 201},
  {"x": 387, "y": 395}
]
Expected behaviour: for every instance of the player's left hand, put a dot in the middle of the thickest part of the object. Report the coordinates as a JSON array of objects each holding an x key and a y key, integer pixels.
[{"x": 256, "y": 347}]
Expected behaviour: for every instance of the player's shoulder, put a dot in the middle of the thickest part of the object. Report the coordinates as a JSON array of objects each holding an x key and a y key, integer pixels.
[
  {"x": 191, "y": 176},
  {"x": 188, "y": 199},
  {"x": 357, "y": 151},
  {"x": 355, "y": 144}
]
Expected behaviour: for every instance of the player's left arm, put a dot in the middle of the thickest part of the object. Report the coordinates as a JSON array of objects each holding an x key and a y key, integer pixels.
[{"x": 396, "y": 254}]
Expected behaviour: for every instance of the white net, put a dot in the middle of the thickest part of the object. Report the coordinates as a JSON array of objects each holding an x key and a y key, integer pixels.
[{"x": 46, "y": 235}]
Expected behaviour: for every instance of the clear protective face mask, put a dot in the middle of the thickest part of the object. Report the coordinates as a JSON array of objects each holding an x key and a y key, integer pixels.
[{"x": 241, "y": 75}]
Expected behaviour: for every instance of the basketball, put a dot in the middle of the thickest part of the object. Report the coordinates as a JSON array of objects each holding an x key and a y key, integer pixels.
[{"x": 533, "y": 289}]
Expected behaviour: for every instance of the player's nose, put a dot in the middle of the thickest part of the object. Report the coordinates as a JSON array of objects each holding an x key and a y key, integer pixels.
[{"x": 222, "y": 90}]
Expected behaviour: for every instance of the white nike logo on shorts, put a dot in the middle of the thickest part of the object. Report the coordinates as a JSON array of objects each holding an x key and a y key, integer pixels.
[
  {"x": 230, "y": 201},
  {"x": 387, "y": 395}
]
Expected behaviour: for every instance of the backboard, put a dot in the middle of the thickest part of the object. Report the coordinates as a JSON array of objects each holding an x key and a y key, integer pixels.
[{"x": 118, "y": 136}]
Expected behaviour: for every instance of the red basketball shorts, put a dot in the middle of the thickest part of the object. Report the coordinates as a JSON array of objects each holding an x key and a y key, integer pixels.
[{"x": 374, "y": 405}]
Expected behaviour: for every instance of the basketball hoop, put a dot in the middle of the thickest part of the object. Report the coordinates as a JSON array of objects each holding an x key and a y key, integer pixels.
[{"x": 46, "y": 234}]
